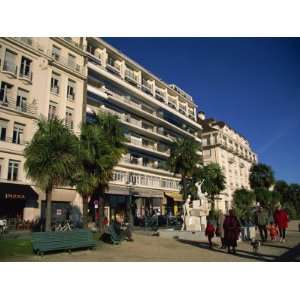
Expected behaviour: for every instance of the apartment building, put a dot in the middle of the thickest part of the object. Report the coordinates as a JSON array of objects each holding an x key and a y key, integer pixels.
[
  {"x": 39, "y": 77},
  {"x": 153, "y": 114},
  {"x": 223, "y": 145}
]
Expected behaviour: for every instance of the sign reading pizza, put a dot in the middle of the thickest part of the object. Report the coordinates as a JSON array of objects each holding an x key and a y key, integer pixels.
[{"x": 14, "y": 196}]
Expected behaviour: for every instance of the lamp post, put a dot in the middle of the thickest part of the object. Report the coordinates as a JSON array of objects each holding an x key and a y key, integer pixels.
[{"x": 129, "y": 203}]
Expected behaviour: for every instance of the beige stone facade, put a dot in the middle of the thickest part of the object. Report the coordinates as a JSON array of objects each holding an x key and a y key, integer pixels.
[
  {"x": 39, "y": 77},
  {"x": 223, "y": 145}
]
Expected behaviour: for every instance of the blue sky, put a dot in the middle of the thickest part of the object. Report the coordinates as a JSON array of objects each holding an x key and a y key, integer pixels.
[{"x": 253, "y": 84}]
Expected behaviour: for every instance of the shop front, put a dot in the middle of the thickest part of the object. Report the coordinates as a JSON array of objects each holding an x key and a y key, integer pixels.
[
  {"x": 15, "y": 198},
  {"x": 173, "y": 202}
]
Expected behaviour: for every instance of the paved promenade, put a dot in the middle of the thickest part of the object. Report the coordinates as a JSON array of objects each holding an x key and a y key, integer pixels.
[{"x": 153, "y": 248}]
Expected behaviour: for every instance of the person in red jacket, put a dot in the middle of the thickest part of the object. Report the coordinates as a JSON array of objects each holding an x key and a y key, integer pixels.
[
  {"x": 281, "y": 220},
  {"x": 210, "y": 232}
]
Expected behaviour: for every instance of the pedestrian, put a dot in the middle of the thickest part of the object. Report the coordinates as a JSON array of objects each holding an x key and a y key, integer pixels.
[
  {"x": 232, "y": 230},
  {"x": 281, "y": 220},
  {"x": 210, "y": 233},
  {"x": 220, "y": 229},
  {"x": 273, "y": 231},
  {"x": 262, "y": 220}
]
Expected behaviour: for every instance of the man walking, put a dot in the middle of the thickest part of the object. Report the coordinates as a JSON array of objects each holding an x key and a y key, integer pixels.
[{"x": 262, "y": 222}]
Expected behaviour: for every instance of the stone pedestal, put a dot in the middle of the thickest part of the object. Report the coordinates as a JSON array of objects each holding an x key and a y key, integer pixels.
[{"x": 192, "y": 223}]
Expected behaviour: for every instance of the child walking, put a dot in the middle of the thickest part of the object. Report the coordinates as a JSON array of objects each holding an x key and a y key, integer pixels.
[
  {"x": 273, "y": 231},
  {"x": 210, "y": 232}
]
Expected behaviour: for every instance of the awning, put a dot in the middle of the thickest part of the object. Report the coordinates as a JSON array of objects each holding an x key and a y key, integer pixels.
[
  {"x": 147, "y": 193},
  {"x": 175, "y": 196},
  {"x": 12, "y": 191},
  {"x": 117, "y": 190}
]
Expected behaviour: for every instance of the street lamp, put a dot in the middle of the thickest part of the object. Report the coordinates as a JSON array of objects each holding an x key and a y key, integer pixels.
[{"x": 129, "y": 202}]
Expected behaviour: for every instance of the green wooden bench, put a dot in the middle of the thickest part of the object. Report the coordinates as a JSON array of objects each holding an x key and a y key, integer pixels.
[{"x": 64, "y": 240}]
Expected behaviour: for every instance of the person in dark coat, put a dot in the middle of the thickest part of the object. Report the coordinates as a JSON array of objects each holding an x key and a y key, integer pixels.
[
  {"x": 281, "y": 220},
  {"x": 231, "y": 231}
]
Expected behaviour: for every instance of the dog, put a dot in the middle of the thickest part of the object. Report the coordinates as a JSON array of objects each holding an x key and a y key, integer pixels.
[{"x": 255, "y": 246}]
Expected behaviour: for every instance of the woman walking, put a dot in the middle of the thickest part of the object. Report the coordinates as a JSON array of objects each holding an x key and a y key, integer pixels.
[
  {"x": 231, "y": 231},
  {"x": 281, "y": 220}
]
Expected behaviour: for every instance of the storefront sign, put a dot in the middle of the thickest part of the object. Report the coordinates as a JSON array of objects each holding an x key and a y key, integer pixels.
[{"x": 14, "y": 196}]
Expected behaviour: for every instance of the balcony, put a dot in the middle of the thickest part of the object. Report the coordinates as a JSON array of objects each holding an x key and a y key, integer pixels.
[
  {"x": 147, "y": 87},
  {"x": 231, "y": 160},
  {"x": 112, "y": 67},
  {"x": 160, "y": 95},
  {"x": 145, "y": 180},
  {"x": 131, "y": 77},
  {"x": 54, "y": 90},
  {"x": 30, "y": 42},
  {"x": 67, "y": 63},
  {"x": 73, "y": 43},
  {"x": 11, "y": 103},
  {"x": 11, "y": 141},
  {"x": 10, "y": 68}
]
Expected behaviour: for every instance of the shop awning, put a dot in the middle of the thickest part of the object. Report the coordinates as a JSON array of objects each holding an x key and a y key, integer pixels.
[
  {"x": 117, "y": 190},
  {"x": 147, "y": 193},
  {"x": 12, "y": 191},
  {"x": 175, "y": 196}
]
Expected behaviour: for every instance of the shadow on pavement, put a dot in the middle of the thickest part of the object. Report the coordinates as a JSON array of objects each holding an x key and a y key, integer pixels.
[
  {"x": 276, "y": 246},
  {"x": 239, "y": 253},
  {"x": 291, "y": 255}
]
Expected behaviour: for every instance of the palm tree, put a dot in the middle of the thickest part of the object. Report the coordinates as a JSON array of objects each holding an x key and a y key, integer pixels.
[
  {"x": 51, "y": 158},
  {"x": 261, "y": 176},
  {"x": 102, "y": 146},
  {"x": 214, "y": 181},
  {"x": 183, "y": 159},
  {"x": 243, "y": 203}
]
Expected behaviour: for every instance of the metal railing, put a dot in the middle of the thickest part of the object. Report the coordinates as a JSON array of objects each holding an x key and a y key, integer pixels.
[
  {"x": 145, "y": 180},
  {"x": 71, "y": 41},
  {"x": 9, "y": 102},
  {"x": 66, "y": 62},
  {"x": 12, "y": 141}
]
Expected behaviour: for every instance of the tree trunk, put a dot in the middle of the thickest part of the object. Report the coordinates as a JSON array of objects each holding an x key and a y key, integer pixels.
[
  {"x": 101, "y": 215},
  {"x": 85, "y": 211},
  {"x": 101, "y": 194},
  {"x": 129, "y": 215},
  {"x": 212, "y": 202},
  {"x": 48, "y": 209},
  {"x": 184, "y": 187}
]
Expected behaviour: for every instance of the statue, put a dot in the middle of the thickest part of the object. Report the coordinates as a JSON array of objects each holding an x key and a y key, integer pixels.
[
  {"x": 186, "y": 211},
  {"x": 199, "y": 191}
]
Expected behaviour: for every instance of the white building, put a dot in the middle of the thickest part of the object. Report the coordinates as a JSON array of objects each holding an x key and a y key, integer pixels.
[{"x": 223, "y": 145}]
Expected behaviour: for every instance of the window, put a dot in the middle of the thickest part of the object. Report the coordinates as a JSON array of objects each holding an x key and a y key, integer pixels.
[
  {"x": 56, "y": 52},
  {"x": 55, "y": 80},
  {"x": 9, "y": 64},
  {"x": 52, "y": 110},
  {"x": 18, "y": 133},
  {"x": 71, "y": 60},
  {"x": 13, "y": 169},
  {"x": 3, "y": 129},
  {"x": 69, "y": 117},
  {"x": 5, "y": 93},
  {"x": 22, "y": 100},
  {"x": 71, "y": 89},
  {"x": 25, "y": 70}
]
